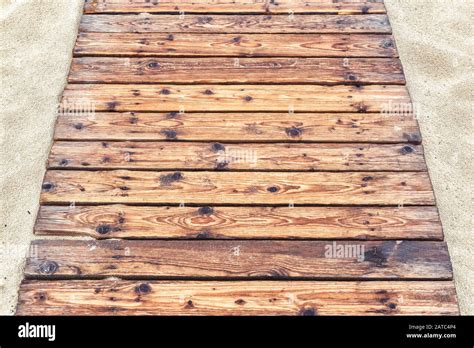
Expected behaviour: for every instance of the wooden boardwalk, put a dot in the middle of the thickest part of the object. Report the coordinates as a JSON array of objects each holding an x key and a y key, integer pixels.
[{"x": 246, "y": 157}]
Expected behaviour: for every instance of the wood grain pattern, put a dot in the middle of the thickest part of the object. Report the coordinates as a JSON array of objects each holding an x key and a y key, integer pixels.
[
  {"x": 231, "y": 6},
  {"x": 209, "y": 156},
  {"x": 235, "y": 45},
  {"x": 239, "y": 127},
  {"x": 239, "y": 259},
  {"x": 121, "y": 221},
  {"x": 109, "y": 297},
  {"x": 301, "y": 98},
  {"x": 209, "y": 23},
  {"x": 214, "y": 153},
  {"x": 122, "y": 186},
  {"x": 232, "y": 70}
]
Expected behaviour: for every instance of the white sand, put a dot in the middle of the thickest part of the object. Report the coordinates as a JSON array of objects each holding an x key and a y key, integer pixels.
[
  {"x": 37, "y": 41},
  {"x": 434, "y": 40}
]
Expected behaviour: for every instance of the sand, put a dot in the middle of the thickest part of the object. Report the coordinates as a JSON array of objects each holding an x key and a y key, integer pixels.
[
  {"x": 434, "y": 40},
  {"x": 36, "y": 50}
]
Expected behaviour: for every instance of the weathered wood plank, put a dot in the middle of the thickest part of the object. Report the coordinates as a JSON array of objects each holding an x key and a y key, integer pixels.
[
  {"x": 239, "y": 259},
  {"x": 300, "y": 98},
  {"x": 109, "y": 297},
  {"x": 271, "y": 157},
  {"x": 235, "y": 45},
  {"x": 189, "y": 23},
  {"x": 241, "y": 70},
  {"x": 255, "y": 127},
  {"x": 121, "y": 221},
  {"x": 230, "y": 6},
  {"x": 349, "y": 188}
]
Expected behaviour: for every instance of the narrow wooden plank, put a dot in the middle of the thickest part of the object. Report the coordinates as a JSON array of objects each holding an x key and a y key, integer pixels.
[
  {"x": 350, "y": 188},
  {"x": 271, "y": 157},
  {"x": 111, "y": 297},
  {"x": 235, "y": 45},
  {"x": 208, "y": 23},
  {"x": 230, "y": 6},
  {"x": 239, "y": 259},
  {"x": 300, "y": 98},
  {"x": 232, "y": 70},
  {"x": 234, "y": 127},
  {"x": 121, "y": 221}
]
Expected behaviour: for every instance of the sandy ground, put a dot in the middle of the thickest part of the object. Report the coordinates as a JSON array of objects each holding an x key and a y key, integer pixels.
[
  {"x": 37, "y": 38},
  {"x": 434, "y": 40},
  {"x": 435, "y": 43}
]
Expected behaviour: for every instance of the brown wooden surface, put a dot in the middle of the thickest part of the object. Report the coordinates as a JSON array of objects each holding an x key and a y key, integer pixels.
[
  {"x": 209, "y": 222},
  {"x": 124, "y": 186},
  {"x": 235, "y": 45},
  {"x": 248, "y": 156},
  {"x": 302, "y": 98},
  {"x": 232, "y": 70},
  {"x": 211, "y": 23},
  {"x": 239, "y": 259},
  {"x": 239, "y": 127},
  {"x": 205, "y": 147},
  {"x": 231, "y": 6},
  {"x": 109, "y": 297}
]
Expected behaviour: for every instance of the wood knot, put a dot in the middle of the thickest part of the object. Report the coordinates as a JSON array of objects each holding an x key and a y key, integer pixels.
[
  {"x": 293, "y": 132},
  {"x": 308, "y": 311},
  {"x": 143, "y": 288},
  {"x": 386, "y": 43},
  {"x": 41, "y": 296},
  {"x": 170, "y": 134},
  {"x": 206, "y": 210},
  {"x": 153, "y": 65},
  {"x": 204, "y": 235},
  {"x": 168, "y": 179},
  {"x": 406, "y": 150},
  {"x": 112, "y": 105},
  {"x": 103, "y": 229},
  {"x": 216, "y": 147},
  {"x": 272, "y": 189},
  {"x": 48, "y": 267},
  {"x": 48, "y": 186}
]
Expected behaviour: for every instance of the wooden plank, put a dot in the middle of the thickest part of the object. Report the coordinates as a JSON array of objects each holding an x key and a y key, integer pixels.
[
  {"x": 300, "y": 98},
  {"x": 234, "y": 127},
  {"x": 235, "y": 45},
  {"x": 113, "y": 297},
  {"x": 349, "y": 188},
  {"x": 208, "y": 156},
  {"x": 230, "y": 6},
  {"x": 208, "y": 23},
  {"x": 232, "y": 70},
  {"x": 121, "y": 221},
  {"x": 238, "y": 259}
]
